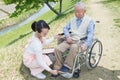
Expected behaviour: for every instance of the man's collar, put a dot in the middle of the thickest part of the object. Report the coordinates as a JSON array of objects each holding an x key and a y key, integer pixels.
[{"x": 79, "y": 19}]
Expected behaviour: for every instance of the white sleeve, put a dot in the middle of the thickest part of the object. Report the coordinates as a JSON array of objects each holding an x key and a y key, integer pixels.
[
  {"x": 37, "y": 47},
  {"x": 48, "y": 41}
]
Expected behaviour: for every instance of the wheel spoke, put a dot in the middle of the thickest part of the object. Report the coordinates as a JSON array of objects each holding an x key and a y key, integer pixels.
[
  {"x": 99, "y": 54},
  {"x": 93, "y": 60},
  {"x": 93, "y": 54}
]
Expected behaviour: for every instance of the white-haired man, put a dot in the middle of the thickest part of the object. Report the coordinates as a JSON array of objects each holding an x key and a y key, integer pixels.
[{"x": 82, "y": 28}]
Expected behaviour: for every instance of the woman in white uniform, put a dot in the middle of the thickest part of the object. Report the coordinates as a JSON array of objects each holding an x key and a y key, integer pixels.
[{"x": 33, "y": 57}]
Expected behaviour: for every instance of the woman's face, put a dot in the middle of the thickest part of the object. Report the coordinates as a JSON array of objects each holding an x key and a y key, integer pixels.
[{"x": 44, "y": 32}]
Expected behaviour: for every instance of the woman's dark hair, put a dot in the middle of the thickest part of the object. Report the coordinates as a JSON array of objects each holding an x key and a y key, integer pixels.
[{"x": 38, "y": 26}]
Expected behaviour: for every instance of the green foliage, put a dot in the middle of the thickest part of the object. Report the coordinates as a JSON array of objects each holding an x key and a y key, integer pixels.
[
  {"x": 19, "y": 33},
  {"x": 25, "y": 5},
  {"x": 10, "y": 1}
]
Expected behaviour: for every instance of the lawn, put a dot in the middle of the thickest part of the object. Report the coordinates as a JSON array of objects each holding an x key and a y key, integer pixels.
[
  {"x": 12, "y": 45},
  {"x": 19, "y": 33}
]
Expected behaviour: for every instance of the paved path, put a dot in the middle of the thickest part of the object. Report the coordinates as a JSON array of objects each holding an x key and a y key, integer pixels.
[{"x": 5, "y": 10}]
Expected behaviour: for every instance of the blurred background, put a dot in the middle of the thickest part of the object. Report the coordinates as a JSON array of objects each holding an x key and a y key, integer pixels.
[{"x": 16, "y": 17}]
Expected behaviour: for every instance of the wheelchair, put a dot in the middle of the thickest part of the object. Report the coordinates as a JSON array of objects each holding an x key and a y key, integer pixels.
[{"x": 90, "y": 57}]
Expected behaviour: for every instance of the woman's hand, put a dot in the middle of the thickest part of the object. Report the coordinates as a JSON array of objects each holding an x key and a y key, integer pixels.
[
  {"x": 54, "y": 72},
  {"x": 69, "y": 40},
  {"x": 57, "y": 36}
]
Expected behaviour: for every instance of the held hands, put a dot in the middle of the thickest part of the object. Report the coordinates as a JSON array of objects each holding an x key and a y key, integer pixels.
[
  {"x": 57, "y": 36},
  {"x": 82, "y": 47},
  {"x": 69, "y": 40},
  {"x": 54, "y": 72}
]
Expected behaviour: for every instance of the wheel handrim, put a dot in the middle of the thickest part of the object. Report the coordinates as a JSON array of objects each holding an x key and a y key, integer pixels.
[{"x": 95, "y": 54}]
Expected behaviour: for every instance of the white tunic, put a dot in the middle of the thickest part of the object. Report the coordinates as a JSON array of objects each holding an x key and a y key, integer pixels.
[{"x": 35, "y": 47}]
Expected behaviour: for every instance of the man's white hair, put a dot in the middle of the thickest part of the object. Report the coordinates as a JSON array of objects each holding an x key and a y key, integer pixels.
[{"x": 81, "y": 4}]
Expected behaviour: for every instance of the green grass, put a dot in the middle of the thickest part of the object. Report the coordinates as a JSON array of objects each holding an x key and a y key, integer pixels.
[
  {"x": 10, "y": 37},
  {"x": 11, "y": 67},
  {"x": 11, "y": 57},
  {"x": 12, "y": 45}
]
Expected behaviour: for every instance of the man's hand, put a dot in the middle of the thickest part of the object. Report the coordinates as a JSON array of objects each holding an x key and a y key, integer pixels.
[
  {"x": 69, "y": 40},
  {"x": 83, "y": 47}
]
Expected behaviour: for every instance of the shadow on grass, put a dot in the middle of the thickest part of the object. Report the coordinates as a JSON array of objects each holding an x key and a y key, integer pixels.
[
  {"x": 20, "y": 37},
  {"x": 95, "y": 74},
  {"x": 25, "y": 72},
  {"x": 100, "y": 73}
]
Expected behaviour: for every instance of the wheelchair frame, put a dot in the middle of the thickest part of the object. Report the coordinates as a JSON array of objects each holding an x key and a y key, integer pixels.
[{"x": 84, "y": 58}]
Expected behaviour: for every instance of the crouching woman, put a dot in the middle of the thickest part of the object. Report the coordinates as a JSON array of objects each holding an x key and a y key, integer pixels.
[{"x": 33, "y": 57}]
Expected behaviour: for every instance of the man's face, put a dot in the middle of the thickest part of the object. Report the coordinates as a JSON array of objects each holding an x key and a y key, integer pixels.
[{"x": 79, "y": 12}]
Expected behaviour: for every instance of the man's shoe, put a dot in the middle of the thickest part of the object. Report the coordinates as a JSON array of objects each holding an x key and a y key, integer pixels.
[
  {"x": 54, "y": 75},
  {"x": 64, "y": 69}
]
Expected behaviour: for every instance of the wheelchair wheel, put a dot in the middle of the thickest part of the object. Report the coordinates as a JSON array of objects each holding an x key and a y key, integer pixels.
[
  {"x": 94, "y": 54},
  {"x": 76, "y": 74}
]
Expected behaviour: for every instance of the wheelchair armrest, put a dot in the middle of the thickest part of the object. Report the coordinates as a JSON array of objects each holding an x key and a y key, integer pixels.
[
  {"x": 84, "y": 38},
  {"x": 61, "y": 34}
]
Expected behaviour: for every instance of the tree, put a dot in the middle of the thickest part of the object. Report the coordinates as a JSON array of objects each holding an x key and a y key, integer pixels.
[{"x": 25, "y": 5}]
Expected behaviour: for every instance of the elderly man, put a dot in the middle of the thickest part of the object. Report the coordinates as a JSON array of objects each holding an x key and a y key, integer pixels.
[{"x": 82, "y": 28}]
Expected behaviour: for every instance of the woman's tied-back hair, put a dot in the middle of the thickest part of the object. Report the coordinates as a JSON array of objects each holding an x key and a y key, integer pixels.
[{"x": 38, "y": 26}]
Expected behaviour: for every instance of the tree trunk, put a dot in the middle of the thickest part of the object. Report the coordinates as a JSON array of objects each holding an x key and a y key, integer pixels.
[
  {"x": 57, "y": 13},
  {"x": 60, "y": 11}
]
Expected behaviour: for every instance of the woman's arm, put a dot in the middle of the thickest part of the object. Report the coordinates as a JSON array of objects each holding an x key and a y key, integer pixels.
[
  {"x": 48, "y": 41},
  {"x": 37, "y": 47}
]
